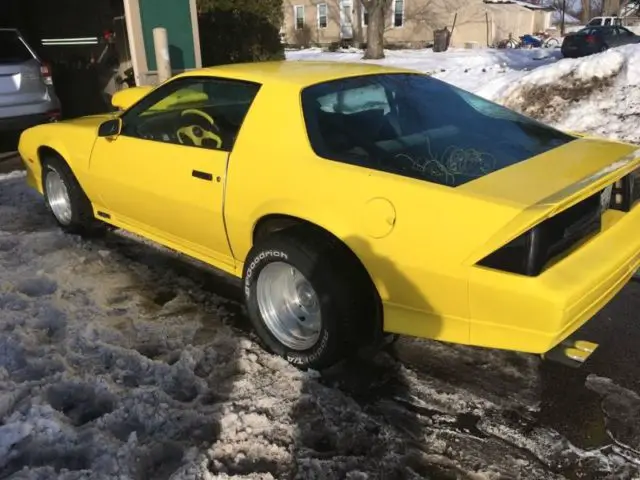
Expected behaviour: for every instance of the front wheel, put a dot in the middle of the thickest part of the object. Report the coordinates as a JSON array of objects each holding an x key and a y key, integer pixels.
[
  {"x": 66, "y": 200},
  {"x": 305, "y": 297}
]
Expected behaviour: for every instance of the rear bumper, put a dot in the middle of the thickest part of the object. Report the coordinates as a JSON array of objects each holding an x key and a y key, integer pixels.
[
  {"x": 535, "y": 314},
  {"x": 579, "y": 51},
  {"x": 18, "y": 124}
]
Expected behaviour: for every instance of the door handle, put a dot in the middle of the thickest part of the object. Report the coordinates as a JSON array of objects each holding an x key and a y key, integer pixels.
[{"x": 202, "y": 175}]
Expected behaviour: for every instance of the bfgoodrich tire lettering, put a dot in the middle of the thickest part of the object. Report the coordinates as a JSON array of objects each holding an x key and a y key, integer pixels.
[{"x": 342, "y": 296}]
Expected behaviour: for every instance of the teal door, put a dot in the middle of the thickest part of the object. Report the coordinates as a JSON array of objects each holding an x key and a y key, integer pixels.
[{"x": 175, "y": 16}]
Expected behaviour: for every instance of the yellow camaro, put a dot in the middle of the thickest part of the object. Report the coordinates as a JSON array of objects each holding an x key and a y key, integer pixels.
[{"x": 355, "y": 200}]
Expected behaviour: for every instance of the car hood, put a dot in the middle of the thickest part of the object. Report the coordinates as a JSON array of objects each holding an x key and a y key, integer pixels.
[{"x": 90, "y": 121}]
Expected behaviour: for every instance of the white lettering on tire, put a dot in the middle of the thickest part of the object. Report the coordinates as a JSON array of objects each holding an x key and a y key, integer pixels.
[
  {"x": 267, "y": 254},
  {"x": 304, "y": 358}
]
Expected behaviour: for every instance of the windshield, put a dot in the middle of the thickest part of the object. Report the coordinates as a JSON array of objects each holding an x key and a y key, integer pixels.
[
  {"x": 587, "y": 31},
  {"x": 416, "y": 126}
]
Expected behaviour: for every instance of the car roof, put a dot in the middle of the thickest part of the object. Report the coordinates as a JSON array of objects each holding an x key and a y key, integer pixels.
[{"x": 300, "y": 73}]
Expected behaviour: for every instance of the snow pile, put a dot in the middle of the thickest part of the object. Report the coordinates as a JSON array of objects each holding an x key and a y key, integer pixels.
[
  {"x": 464, "y": 68},
  {"x": 598, "y": 94}
]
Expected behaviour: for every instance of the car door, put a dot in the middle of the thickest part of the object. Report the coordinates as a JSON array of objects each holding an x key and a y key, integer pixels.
[
  {"x": 609, "y": 36},
  {"x": 164, "y": 174}
]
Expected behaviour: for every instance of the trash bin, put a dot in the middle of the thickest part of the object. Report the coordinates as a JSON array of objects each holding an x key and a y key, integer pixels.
[{"x": 441, "y": 40}]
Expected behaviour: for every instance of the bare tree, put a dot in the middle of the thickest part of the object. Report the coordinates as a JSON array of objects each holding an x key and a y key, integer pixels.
[
  {"x": 429, "y": 14},
  {"x": 376, "y": 11}
]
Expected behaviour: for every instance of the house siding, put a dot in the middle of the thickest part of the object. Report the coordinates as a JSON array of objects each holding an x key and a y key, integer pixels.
[{"x": 475, "y": 21}]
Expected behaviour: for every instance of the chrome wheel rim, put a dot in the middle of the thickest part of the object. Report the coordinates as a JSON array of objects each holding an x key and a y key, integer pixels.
[
  {"x": 58, "y": 197},
  {"x": 289, "y": 306}
]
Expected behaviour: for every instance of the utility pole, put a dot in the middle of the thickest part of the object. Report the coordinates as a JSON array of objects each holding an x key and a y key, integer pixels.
[{"x": 564, "y": 9}]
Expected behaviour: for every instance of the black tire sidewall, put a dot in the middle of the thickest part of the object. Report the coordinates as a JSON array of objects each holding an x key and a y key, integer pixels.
[
  {"x": 328, "y": 347},
  {"x": 82, "y": 219}
]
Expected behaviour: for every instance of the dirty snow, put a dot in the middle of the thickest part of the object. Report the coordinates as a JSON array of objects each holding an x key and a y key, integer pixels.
[
  {"x": 467, "y": 69},
  {"x": 123, "y": 360}
]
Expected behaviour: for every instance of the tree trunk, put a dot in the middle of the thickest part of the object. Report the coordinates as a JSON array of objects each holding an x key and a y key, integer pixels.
[
  {"x": 359, "y": 33},
  {"x": 375, "y": 32},
  {"x": 586, "y": 11}
]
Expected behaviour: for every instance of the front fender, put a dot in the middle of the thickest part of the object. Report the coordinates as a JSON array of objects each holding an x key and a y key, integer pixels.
[{"x": 73, "y": 143}]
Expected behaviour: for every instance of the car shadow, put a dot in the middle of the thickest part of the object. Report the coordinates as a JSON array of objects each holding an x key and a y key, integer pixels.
[{"x": 382, "y": 436}]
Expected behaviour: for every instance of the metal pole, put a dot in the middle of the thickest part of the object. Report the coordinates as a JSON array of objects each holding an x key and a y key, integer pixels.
[
  {"x": 163, "y": 61},
  {"x": 564, "y": 9}
]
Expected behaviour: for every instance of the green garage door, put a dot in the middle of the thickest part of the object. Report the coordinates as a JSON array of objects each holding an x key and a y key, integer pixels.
[{"x": 175, "y": 16}]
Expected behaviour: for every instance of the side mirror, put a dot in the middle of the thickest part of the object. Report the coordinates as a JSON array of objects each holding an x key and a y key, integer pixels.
[
  {"x": 123, "y": 99},
  {"x": 110, "y": 129}
]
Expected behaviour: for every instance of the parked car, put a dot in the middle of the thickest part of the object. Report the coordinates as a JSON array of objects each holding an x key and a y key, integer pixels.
[
  {"x": 591, "y": 40},
  {"x": 27, "y": 97},
  {"x": 355, "y": 199}
]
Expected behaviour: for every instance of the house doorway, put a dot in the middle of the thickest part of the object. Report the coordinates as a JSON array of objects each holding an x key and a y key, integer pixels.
[{"x": 346, "y": 19}]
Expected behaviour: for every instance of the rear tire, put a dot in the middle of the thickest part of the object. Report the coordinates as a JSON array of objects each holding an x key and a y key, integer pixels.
[
  {"x": 307, "y": 297},
  {"x": 66, "y": 200}
]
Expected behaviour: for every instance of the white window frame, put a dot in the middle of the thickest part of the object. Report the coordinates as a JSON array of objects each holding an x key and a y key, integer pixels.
[
  {"x": 326, "y": 15},
  {"x": 393, "y": 14},
  {"x": 295, "y": 17}
]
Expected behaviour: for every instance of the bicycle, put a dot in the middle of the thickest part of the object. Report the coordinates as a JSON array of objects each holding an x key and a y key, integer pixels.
[{"x": 543, "y": 40}]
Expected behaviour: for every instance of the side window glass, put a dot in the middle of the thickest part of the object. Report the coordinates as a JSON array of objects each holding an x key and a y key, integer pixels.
[
  {"x": 195, "y": 112},
  {"x": 607, "y": 21}
]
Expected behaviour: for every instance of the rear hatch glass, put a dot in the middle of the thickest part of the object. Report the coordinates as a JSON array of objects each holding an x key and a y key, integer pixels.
[
  {"x": 12, "y": 48},
  {"x": 20, "y": 76}
]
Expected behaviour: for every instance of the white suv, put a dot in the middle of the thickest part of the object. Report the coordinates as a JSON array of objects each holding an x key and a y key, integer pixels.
[{"x": 27, "y": 97}]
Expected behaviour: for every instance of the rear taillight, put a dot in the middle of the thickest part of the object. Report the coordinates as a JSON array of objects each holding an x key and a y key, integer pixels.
[
  {"x": 530, "y": 253},
  {"x": 45, "y": 71},
  {"x": 626, "y": 192},
  {"x": 53, "y": 115},
  {"x": 591, "y": 39}
]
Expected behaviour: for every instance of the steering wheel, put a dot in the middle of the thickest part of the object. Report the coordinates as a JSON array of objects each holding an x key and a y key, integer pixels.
[{"x": 201, "y": 132}]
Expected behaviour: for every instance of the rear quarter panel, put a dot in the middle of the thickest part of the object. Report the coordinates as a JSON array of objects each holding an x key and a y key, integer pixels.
[{"x": 411, "y": 236}]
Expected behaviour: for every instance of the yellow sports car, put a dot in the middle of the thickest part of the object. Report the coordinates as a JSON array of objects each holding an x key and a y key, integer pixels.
[{"x": 356, "y": 201}]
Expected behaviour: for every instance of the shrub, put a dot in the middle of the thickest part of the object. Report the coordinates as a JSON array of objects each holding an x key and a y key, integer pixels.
[
  {"x": 302, "y": 37},
  {"x": 233, "y": 31}
]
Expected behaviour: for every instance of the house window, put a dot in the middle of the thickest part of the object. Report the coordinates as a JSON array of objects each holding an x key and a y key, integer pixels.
[
  {"x": 398, "y": 13},
  {"x": 299, "y": 14},
  {"x": 365, "y": 16},
  {"x": 322, "y": 15}
]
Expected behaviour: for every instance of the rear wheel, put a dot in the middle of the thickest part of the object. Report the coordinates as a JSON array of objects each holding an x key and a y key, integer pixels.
[
  {"x": 66, "y": 200},
  {"x": 307, "y": 297}
]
